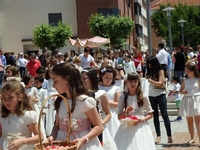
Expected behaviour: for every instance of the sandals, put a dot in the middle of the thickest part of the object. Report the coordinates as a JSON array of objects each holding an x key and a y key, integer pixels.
[
  {"x": 191, "y": 142},
  {"x": 158, "y": 140}
]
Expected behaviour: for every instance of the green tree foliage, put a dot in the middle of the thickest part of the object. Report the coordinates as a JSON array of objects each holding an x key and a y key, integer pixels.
[
  {"x": 52, "y": 37},
  {"x": 116, "y": 28},
  {"x": 191, "y": 27}
]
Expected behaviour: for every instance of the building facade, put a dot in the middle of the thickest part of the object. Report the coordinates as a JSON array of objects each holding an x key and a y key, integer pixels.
[{"x": 18, "y": 18}]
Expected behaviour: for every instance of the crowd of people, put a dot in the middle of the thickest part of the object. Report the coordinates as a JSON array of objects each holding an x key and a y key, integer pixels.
[{"x": 102, "y": 90}]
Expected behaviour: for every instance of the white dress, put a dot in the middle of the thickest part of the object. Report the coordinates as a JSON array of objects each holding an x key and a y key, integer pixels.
[
  {"x": 108, "y": 141},
  {"x": 120, "y": 84},
  {"x": 138, "y": 137},
  {"x": 51, "y": 112},
  {"x": 190, "y": 104},
  {"x": 33, "y": 92},
  {"x": 81, "y": 125},
  {"x": 114, "y": 123},
  {"x": 15, "y": 127}
]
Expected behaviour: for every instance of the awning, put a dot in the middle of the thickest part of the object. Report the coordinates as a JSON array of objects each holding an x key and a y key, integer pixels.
[{"x": 96, "y": 41}]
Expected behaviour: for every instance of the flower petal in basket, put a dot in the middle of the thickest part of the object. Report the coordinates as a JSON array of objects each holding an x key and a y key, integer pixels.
[{"x": 128, "y": 121}]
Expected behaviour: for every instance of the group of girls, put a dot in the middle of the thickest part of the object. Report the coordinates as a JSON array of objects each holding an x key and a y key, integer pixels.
[{"x": 96, "y": 106}]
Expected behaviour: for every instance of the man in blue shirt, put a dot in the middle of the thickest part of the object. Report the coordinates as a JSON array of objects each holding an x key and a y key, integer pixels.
[{"x": 2, "y": 65}]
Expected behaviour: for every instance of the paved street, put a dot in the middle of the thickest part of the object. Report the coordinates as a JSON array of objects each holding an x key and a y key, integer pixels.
[{"x": 180, "y": 136}]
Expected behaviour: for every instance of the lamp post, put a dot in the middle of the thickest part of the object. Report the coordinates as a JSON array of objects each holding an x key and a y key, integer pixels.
[
  {"x": 168, "y": 11},
  {"x": 182, "y": 30},
  {"x": 149, "y": 27}
]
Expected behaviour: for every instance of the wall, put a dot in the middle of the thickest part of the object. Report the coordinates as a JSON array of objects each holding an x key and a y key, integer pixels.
[{"x": 19, "y": 17}]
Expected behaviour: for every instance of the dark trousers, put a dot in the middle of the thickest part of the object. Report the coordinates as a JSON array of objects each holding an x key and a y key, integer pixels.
[
  {"x": 22, "y": 71},
  {"x": 160, "y": 101}
]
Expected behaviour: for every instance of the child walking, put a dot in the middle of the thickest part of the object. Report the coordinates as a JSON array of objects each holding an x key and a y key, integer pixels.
[
  {"x": 133, "y": 102},
  {"x": 17, "y": 118},
  {"x": 190, "y": 89},
  {"x": 91, "y": 82},
  {"x": 68, "y": 82},
  {"x": 177, "y": 95}
]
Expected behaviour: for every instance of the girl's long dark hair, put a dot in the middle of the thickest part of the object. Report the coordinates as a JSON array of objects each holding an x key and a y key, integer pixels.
[
  {"x": 139, "y": 93},
  {"x": 155, "y": 67},
  {"x": 76, "y": 85}
]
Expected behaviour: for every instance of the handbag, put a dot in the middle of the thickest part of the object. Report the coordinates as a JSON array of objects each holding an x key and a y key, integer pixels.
[
  {"x": 163, "y": 86},
  {"x": 139, "y": 67}
]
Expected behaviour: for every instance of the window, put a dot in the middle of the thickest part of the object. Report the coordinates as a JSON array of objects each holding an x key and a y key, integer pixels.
[
  {"x": 137, "y": 9},
  {"x": 54, "y": 18},
  {"x": 139, "y": 30},
  {"x": 107, "y": 11}
]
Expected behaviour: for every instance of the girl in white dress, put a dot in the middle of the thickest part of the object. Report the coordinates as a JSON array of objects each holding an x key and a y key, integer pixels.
[
  {"x": 139, "y": 136},
  {"x": 32, "y": 93},
  {"x": 91, "y": 81},
  {"x": 51, "y": 112},
  {"x": 68, "y": 81},
  {"x": 190, "y": 88},
  {"x": 18, "y": 120},
  {"x": 43, "y": 94},
  {"x": 107, "y": 81}
]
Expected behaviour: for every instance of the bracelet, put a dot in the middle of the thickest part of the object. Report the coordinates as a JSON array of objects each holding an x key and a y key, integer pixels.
[{"x": 86, "y": 138}]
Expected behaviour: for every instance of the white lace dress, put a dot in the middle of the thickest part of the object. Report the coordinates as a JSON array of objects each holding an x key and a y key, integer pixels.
[
  {"x": 190, "y": 104},
  {"x": 108, "y": 140},
  {"x": 15, "y": 127},
  {"x": 138, "y": 137},
  {"x": 81, "y": 125},
  {"x": 114, "y": 123}
]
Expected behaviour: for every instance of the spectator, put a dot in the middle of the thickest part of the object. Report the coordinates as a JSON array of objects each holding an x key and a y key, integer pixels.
[
  {"x": 43, "y": 58},
  {"x": 33, "y": 65},
  {"x": 21, "y": 63},
  {"x": 2, "y": 65},
  {"x": 86, "y": 58}
]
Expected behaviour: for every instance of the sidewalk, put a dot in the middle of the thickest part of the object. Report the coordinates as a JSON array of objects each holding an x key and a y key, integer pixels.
[{"x": 180, "y": 136}]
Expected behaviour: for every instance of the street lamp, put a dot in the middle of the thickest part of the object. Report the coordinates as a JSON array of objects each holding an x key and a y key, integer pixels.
[
  {"x": 168, "y": 11},
  {"x": 182, "y": 28}
]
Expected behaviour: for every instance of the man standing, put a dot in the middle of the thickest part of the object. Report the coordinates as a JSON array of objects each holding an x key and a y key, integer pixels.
[
  {"x": 162, "y": 56},
  {"x": 86, "y": 59},
  {"x": 43, "y": 58},
  {"x": 33, "y": 65},
  {"x": 2, "y": 65}
]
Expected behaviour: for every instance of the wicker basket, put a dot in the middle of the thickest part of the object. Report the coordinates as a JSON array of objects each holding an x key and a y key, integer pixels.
[
  {"x": 127, "y": 121},
  {"x": 67, "y": 144}
]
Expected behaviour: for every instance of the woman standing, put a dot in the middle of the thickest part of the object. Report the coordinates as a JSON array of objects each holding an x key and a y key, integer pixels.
[{"x": 157, "y": 96}]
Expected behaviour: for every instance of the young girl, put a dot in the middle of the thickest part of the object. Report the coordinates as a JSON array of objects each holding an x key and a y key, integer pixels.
[
  {"x": 32, "y": 93},
  {"x": 83, "y": 109},
  {"x": 107, "y": 81},
  {"x": 17, "y": 118},
  {"x": 11, "y": 71},
  {"x": 90, "y": 79},
  {"x": 191, "y": 100},
  {"x": 51, "y": 113},
  {"x": 139, "y": 136}
]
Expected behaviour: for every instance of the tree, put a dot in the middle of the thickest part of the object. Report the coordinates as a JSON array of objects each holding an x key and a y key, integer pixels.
[
  {"x": 116, "y": 28},
  {"x": 191, "y": 27},
  {"x": 51, "y": 37}
]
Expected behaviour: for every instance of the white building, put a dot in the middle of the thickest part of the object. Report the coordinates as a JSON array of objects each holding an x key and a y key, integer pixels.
[{"x": 18, "y": 18}]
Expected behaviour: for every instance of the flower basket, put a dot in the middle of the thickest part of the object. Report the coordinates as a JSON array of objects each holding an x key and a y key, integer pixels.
[
  {"x": 56, "y": 145},
  {"x": 128, "y": 120}
]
